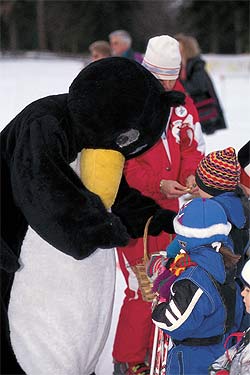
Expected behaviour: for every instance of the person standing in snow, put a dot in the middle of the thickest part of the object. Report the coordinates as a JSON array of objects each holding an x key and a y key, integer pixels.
[
  {"x": 199, "y": 85},
  {"x": 164, "y": 174}
]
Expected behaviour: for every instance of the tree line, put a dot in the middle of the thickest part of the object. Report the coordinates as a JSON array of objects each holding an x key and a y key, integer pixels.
[{"x": 69, "y": 26}]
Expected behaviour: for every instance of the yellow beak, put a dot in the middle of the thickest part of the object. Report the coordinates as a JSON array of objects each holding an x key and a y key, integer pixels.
[{"x": 101, "y": 173}]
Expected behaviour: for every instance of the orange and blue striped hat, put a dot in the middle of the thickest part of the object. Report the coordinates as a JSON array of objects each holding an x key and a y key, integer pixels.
[
  {"x": 218, "y": 172},
  {"x": 162, "y": 57}
]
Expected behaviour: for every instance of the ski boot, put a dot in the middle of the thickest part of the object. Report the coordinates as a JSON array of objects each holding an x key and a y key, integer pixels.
[
  {"x": 138, "y": 369},
  {"x": 120, "y": 368}
]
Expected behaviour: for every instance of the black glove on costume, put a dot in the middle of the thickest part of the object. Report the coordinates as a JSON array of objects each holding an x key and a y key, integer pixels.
[{"x": 162, "y": 221}]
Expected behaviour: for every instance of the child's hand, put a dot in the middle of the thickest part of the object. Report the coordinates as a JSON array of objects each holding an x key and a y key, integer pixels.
[
  {"x": 173, "y": 249},
  {"x": 163, "y": 283},
  {"x": 154, "y": 266}
]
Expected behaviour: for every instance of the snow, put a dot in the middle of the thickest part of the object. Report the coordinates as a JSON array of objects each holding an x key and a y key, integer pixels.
[{"x": 25, "y": 80}]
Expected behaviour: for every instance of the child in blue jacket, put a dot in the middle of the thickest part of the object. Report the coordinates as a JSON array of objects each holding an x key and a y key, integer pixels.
[
  {"x": 218, "y": 177},
  {"x": 201, "y": 310}
]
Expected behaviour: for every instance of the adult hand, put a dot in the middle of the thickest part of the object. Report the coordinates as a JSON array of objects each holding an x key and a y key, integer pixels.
[
  {"x": 191, "y": 185},
  {"x": 172, "y": 189}
]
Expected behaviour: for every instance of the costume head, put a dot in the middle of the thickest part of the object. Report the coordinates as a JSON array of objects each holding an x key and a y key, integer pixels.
[
  {"x": 244, "y": 160},
  {"x": 200, "y": 222},
  {"x": 218, "y": 172},
  {"x": 118, "y": 106},
  {"x": 163, "y": 58}
]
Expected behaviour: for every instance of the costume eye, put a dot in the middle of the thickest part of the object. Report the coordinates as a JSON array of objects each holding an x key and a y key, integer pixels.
[{"x": 125, "y": 139}]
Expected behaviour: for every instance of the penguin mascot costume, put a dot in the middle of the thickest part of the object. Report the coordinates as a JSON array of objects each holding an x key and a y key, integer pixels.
[{"x": 66, "y": 206}]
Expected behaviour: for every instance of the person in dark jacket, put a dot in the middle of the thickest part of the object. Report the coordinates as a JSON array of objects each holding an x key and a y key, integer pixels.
[{"x": 199, "y": 85}]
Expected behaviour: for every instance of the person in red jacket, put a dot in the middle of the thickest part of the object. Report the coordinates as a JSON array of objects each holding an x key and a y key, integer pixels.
[{"x": 165, "y": 173}]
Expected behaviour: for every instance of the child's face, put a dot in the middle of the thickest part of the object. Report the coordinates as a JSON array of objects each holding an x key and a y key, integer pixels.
[
  {"x": 203, "y": 194},
  {"x": 246, "y": 298}
]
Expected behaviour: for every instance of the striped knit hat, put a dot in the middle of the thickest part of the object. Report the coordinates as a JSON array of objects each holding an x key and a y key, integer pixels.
[
  {"x": 162, "y": 57},
  {"x": 218, "y": 172}
]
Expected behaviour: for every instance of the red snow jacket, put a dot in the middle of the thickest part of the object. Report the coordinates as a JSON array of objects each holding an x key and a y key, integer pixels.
[{"x": 172, "y": 159}]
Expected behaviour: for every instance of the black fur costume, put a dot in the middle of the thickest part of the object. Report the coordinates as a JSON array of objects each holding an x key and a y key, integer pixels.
[{"x": 112, "y": 104}]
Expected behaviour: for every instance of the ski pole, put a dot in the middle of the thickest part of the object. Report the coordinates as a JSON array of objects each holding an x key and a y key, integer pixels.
[{"x": 155, "y": 344}]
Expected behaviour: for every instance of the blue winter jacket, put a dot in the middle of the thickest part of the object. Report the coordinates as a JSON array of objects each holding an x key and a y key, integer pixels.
[{"x": 196, "y": 310}]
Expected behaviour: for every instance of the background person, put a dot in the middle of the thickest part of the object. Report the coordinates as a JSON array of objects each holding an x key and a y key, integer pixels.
[
  {"x": 99, "y": 50},
  {"x": 199, "y": 85},
  {"x": 164, "y": 174},
  {"x": 121, "y": 45}
]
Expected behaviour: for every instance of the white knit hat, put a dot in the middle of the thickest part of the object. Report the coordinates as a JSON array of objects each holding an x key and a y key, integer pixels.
[
  {"x": 162, "y": 57},
  {"x": 245, "y": 274}
]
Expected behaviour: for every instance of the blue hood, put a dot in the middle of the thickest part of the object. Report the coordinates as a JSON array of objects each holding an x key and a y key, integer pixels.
[
  {"x": 207, "y": 258},
  {"x": 233, "y": 208}
]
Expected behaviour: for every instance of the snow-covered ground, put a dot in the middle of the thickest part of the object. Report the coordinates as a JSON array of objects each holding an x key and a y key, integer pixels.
[{"x": 25, "y": 80}]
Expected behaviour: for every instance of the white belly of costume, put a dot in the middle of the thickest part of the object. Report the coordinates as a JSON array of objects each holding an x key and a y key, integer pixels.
[{"x": 60, "y": 308}]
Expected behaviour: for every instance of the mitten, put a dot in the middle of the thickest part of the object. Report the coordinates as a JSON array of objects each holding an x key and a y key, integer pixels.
[
  {"x": 162, "y": 221},
  {"x": 155, "y": 266},
  {"x": 174, "y": 98},
  {"x": 163, "y": 283},
  {"x": 173, "y": 249}
]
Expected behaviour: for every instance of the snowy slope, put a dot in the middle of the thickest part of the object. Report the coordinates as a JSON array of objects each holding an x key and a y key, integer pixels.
[{"x": 25, "y": 80}]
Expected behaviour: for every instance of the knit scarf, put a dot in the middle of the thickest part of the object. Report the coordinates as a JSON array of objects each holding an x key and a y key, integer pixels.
[{"x": 181, "y": 262}]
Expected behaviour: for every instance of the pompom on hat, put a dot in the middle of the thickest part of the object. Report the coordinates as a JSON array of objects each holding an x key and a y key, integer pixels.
[
  {"x": 245, "y": 274},
  {"x": 162, "y": 57},
  {"x": 199, "y": 222},
  {"x": 218, "y": 172},
  {"x": 244, "y": 160}
]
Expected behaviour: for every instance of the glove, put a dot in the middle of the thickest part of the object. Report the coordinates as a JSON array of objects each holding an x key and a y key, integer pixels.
[
  {"x": 154, "y": 266},
  {"x": 162, "y": 220},
  {"x": 110, "y": 233},
  {"x": 173, "y": 249},
  {"x": 174, "y": 98},
  {"x": 163, "y": 283}
]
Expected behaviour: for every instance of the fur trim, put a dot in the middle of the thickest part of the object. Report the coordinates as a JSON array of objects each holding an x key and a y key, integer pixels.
[{"x": 201, "y": 232}]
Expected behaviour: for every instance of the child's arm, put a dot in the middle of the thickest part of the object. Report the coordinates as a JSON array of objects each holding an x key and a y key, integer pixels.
[{"x": 185, "y": 312}]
